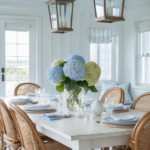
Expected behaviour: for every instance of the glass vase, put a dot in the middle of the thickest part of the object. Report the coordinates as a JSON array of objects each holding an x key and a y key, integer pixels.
[{"x": 73, "y": 101}]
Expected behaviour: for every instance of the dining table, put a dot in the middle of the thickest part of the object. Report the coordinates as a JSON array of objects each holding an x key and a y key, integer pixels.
[{"x": 82, "y": 133}]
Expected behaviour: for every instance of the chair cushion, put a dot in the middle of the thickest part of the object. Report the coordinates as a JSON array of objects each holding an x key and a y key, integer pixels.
[
  {"x": 107, "y": 86},
  {"x": 124, "y": 87}
]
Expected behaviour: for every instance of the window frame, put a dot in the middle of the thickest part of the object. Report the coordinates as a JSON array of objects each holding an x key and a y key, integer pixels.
[
  {"x": 139, "y": 58},
  {"x": 113, "y": 63}
]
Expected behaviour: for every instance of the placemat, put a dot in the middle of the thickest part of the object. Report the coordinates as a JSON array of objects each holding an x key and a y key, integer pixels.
[
  {"x": 116, "y": 126},
  {"x": 121, "y": 111},
  {"x": 39, "y": 111},
  {"x": 34, "y": 102}
]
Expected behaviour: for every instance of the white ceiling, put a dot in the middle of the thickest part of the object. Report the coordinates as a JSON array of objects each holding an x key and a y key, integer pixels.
[{"x": 80, "y": 5}]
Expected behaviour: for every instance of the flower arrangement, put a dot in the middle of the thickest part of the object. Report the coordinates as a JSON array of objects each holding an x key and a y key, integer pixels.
[{"x": 73, "y": 74}]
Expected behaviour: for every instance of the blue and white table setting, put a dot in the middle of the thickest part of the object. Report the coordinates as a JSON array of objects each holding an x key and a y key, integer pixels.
[
  {"x": 37, "y": 107},
  {"x": 115, "y": 107},
  {"x": 126, "y": 120},
  {"x": 31, "y": 94},
  {"x": 22, "y": 100}
]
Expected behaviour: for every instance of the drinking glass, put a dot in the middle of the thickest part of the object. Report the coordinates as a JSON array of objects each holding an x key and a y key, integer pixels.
[
  {"x": 38, "y": 91},
  {"x": 109, "y": 107}
]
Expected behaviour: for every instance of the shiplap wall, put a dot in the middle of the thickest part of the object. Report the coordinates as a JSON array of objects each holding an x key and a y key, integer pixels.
[
  {"x": 55, "y": 46},
  {"x": 130, "y": 50}
]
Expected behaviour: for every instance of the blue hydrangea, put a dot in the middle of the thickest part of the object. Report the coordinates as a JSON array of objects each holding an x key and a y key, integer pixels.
[
  {"x": 77, "y": 57},
  {"x": 54, "y": 74},
  {"x": 74, "y": 69}
]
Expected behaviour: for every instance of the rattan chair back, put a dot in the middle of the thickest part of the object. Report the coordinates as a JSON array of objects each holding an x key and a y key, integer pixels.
[
  {"x": 142, "y": 103},
  {"x": 8, "y": 124},
  {"x": 28, "y": 133},
  {"x": 141, "y": 134},
  {"x": 116, "y": 93},
  {"x": 25, "y": 88}
]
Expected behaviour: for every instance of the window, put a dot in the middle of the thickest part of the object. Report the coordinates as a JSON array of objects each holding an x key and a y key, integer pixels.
[
  {"x": 102, "y": 55},
  {"x": 16, "y": 59},
  {"x": 144, "y": 58}
]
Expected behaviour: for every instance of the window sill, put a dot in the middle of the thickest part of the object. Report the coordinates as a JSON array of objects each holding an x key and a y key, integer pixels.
[{"x": 147, "y": 88}]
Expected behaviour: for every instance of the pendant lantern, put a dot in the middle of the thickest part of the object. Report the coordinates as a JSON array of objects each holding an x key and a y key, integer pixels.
[
  {"x": 60, "y": 15},
  {"x": 109, "y": 11}
]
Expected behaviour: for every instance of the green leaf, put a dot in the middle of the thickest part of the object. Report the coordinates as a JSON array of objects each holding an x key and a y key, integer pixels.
[
  {"x": 62, "y": 64},
  {"x": 63, "y": 78},
  {"x": 79, "y": 90},
  {"x": 93, "y": 89},
  {"x": 84, "y": 84},
  {"x": 60, "y": 88},
  {"x": 69, "y": 84},
  {"x": 86, "y": 89}
]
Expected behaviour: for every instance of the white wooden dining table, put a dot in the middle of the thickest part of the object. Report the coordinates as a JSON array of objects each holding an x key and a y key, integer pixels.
[{"x": 83, "y": 133}]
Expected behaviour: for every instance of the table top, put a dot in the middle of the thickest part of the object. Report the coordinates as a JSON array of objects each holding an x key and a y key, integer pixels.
[{"x": 75, "y": 128}]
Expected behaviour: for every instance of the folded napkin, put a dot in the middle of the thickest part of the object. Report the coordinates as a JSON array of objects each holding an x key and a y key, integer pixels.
[
  {"x": 38, "y": 105},
  {"x": 115, "y": 107},
  {"x": 127, "y": 117},
  {"x": 118, "y": 105},
  {"x": 31, "y": 94},
  {"x": 111, "y": 120},
  {"x": 50, "y": 117},
  {"x": 20, "y": 99}
]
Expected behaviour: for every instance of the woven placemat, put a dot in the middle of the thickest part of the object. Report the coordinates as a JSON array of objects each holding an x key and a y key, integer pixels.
[
  {"x": 40, "y": 111},
  {"x": 116, "y": 125},
  {"x": 121, "y": 111},
  {"x": 34, "y": 102}
]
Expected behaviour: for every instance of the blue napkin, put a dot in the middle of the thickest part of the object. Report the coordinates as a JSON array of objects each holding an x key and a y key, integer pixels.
[
  {"x": 20, "y": 100},
  {"x": 50, "y": 117},
  {"x": 87, "y": 104},
  {"x": 121, "y": 122}
]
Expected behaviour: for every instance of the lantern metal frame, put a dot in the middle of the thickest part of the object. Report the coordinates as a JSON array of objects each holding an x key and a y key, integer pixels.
[
  {"x": 108, "y": 19},
  {"x": 59, "y": 29}
]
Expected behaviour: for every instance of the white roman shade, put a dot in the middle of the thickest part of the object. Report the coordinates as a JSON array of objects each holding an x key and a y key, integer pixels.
[{"x": 101, "y": 36}]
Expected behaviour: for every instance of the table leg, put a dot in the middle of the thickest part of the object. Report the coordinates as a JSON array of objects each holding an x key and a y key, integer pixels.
[{"x": 82, "y": 145}]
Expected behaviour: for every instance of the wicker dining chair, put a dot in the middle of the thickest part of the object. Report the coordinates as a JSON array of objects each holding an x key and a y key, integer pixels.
[
  {"x": 11, "y": 138},
  {"x": 25, "y": 88},
  {"x": 1, "y": 135},
  {"x": 142, "y": 103},
  {"x": 30, "y": 138},
  {"x": 140, "y": 135},
  {"x": 116, "y": 93}
]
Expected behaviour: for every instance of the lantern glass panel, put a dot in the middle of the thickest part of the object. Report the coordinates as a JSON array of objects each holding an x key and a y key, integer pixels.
[
  {"x": 114, "y": 8},
  {"x": 64, "y": 14},
  {"x": 53, "y": 16},
  {"x": 99, "y": 6}
]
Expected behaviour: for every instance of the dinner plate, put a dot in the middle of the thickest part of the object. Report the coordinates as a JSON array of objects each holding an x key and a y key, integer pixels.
[
  {"x": 22, "y": 101},
  {"x": 121, "y": 122},
  {"x": 119, "y": 108},
  {"x": 37, "y": 108}
]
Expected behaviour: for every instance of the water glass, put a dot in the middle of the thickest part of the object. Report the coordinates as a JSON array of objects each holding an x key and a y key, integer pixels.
[
  {"x": 38, "y": 92},
  {"x": 109, "y": 107}
]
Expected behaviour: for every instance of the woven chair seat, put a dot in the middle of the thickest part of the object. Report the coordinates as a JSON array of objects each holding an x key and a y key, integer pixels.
[{"x": 53, "y": 145}]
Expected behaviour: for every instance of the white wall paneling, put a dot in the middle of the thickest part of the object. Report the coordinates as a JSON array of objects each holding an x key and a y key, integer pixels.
[
  {"x": 130, "y": 50},
  {"x": 55, "y": 46}
]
